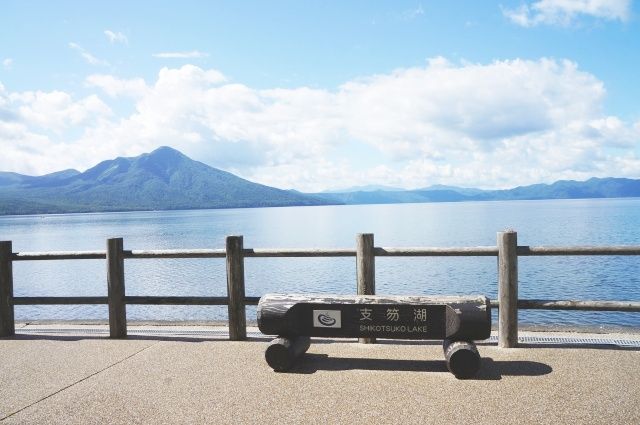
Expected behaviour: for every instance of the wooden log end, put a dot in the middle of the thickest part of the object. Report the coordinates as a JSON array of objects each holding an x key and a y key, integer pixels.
[
  {"x": 462, "y": 357},
  {"x": 282, "y": 353}
]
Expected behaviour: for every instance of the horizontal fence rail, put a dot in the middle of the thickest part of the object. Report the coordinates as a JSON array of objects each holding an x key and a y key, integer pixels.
[
  {"x": 629, "y": 306},
  {"x": 507, "y": 251},
  {"x": 478, "y": 251},
  {"x": 578, "y": 250},
  {"x": 148, "y": 300},
  {"x": 581, "y": 305},
  {"x": 59, "y": 255},
  {"x": 176, "y": 253},
  {"x": 59, "y": 300}
]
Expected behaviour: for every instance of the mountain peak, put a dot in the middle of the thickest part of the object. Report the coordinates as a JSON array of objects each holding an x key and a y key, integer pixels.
[
  {"x": 166, "y": 152},
  {"x": 163, "y": 162}
]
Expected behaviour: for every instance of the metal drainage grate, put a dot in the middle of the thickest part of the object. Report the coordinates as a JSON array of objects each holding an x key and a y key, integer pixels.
[{"x": 558, "y": 340}]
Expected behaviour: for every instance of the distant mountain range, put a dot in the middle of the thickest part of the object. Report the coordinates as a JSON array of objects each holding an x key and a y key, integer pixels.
[
  {"x": 165, "y": 179},
  {"x": 563, "y": 189},
  {"x": 366, "y": 188}
]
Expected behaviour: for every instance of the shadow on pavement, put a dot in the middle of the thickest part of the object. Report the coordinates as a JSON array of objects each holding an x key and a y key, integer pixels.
[
  {"x": 495, "y": 369},
  {"x": 489, "y": 370},
  {"x": 103, "y": 337}
]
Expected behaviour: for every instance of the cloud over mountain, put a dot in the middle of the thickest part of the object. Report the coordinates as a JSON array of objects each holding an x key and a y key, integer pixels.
[{"x": 497, "y": 124}]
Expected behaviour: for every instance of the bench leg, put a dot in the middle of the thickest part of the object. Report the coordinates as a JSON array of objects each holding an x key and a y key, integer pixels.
[
  {"x": 463, "y": 358},
  {"x": 282, "y": 352}
]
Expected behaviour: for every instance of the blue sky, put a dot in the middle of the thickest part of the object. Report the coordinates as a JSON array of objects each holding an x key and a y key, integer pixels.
[{"x": 322, "y": 95}]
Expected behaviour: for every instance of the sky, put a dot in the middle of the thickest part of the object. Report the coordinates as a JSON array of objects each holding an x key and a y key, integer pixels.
[{"x": 321, "y": 95}]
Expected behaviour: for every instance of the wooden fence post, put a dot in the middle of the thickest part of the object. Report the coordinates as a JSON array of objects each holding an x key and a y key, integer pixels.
[
  {"x": 115, "y": 295},
  {"x": 366, "y": 270},
  {"x": 508, "y": 289},
  {"x": 235, "y": 288},
  {"x": 7, "y": 321}
]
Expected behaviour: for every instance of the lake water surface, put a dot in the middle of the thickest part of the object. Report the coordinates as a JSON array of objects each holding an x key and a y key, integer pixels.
[{"x": 555, "y": 222}]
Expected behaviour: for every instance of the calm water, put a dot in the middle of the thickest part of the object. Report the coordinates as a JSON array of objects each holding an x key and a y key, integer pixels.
[{"x": 557, "y": 222}]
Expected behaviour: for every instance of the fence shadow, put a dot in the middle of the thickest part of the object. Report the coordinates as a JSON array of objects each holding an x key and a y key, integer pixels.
[{"x": 103, "y": 337}]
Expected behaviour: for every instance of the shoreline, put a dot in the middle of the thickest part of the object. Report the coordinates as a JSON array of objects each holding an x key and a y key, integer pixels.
[
  {"x": 144, "y": 210},
  {"x": 523, "y": 327}
]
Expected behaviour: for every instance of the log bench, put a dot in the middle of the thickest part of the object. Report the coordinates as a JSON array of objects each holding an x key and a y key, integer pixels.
[{"x": 457, "y": 321}]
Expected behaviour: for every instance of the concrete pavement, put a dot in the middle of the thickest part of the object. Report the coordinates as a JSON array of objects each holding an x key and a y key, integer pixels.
[{"x": 56, "y": 376}]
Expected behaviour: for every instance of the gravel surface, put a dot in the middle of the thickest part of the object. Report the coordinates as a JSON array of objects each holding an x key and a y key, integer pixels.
[{"x": 60, "y": 378}]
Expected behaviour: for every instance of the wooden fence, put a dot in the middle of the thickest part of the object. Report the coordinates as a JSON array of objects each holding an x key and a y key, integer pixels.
[{"x": 506, "y": 250}]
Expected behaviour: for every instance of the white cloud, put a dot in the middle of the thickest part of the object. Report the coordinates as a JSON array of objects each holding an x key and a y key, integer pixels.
[
  {"x": 115, "y": 87},
  {"x": 29, "y": 136},
  {"x": 7, "y": 63},
  {"x": 193, "y": 54},
  {"x": 116, "y": 37},
  {"x": 418, "y": 110},
  {"x": 499, "y": 124},
  {"x": 88, "y": 57},
  {"x": 565, "y": 12},
  {"x": 56, "y": 110}
]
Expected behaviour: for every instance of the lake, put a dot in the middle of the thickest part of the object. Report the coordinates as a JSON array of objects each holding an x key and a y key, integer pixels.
[{"x": 553, "y": 222}]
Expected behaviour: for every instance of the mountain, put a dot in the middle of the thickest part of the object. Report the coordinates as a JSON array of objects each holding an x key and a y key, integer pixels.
[
  {"x": 563, "y": 189},
  {"x": 461, "y": 190},
  {"x": 366, "y": 188},
  {"x": 569, "y": 189},
  {"x": 14, "y": 179},
  {"x": 390, "y": 197},
  {"x": 161, "y": 180},
  {"x": 166, "y": 179}
]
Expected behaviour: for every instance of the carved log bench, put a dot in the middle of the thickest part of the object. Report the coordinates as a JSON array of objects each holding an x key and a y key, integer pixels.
[{"x": 458, "y": 321}]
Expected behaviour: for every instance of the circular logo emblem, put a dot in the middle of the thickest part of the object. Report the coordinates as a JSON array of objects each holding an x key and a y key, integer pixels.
[{"x": 326, "y": 320}]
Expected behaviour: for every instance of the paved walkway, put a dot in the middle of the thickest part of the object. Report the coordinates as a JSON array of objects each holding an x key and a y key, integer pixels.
[{"x": 58, "y": 375}]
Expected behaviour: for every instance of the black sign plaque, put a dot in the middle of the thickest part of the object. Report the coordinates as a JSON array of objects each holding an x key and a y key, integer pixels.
[
  {"x": 393, "y": 317},
  {"x": 417, "y": 321}
]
